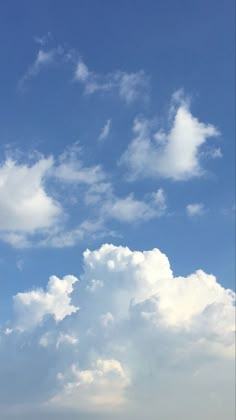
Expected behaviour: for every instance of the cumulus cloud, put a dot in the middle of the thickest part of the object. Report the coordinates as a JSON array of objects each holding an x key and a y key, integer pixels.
[
  {"x": 141, "y": 334},
  {"x": 129, "y": 86},
  {"x": 33, "y": 306},
  {"x": 173, "y": 154}
]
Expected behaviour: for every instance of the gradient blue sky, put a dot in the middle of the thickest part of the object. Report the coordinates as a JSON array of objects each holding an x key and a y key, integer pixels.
[{"x": 148, "y": 61}]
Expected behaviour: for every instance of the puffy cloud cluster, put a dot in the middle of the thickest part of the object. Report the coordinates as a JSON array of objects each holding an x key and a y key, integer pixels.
[
  {"x": 173, "y": 154},
  {"x": 35, "y": 211},
  {"x": 141, "y": 334},
  {"x": 146, "y": 283}
]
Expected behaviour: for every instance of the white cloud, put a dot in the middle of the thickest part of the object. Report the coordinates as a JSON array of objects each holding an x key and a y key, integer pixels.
[
  {"x": 143, "y": 334},
  {"x": 32, "y": 307},
  {"x": 195, "y": 209},
  {"x": 173, "y": 154},
  {"x": 129, "y": 86},
  {"x": 105, "y": 130},
  {"x": 25, "y": 205}
]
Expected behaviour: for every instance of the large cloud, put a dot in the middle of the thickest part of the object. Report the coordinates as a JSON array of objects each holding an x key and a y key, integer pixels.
[{"x": 143, "y": 341}]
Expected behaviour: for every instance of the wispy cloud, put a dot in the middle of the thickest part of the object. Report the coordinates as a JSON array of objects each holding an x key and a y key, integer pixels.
[
  {"x": 44, "y": 58},
  {"x": 130, "y": 87},
  {"x": 105, "y": 130}
]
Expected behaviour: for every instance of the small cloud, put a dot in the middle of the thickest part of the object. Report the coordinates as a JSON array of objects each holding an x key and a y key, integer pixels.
[
  {"x": 105, "y": 130},
  {"x": 196, "y": 209}
]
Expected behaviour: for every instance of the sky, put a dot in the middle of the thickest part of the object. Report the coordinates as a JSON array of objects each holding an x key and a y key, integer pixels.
[{"x": 117, "y": 207}]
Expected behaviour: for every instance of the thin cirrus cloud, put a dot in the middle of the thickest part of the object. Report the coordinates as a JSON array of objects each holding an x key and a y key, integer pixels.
[
  {"x": 139, "y": 334},
  {"x": 173, "y": 154},
  {"x": 129, "y": 86}
]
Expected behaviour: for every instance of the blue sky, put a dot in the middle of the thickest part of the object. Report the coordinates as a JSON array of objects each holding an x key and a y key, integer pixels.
[{"x": 117, "y": 127}]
